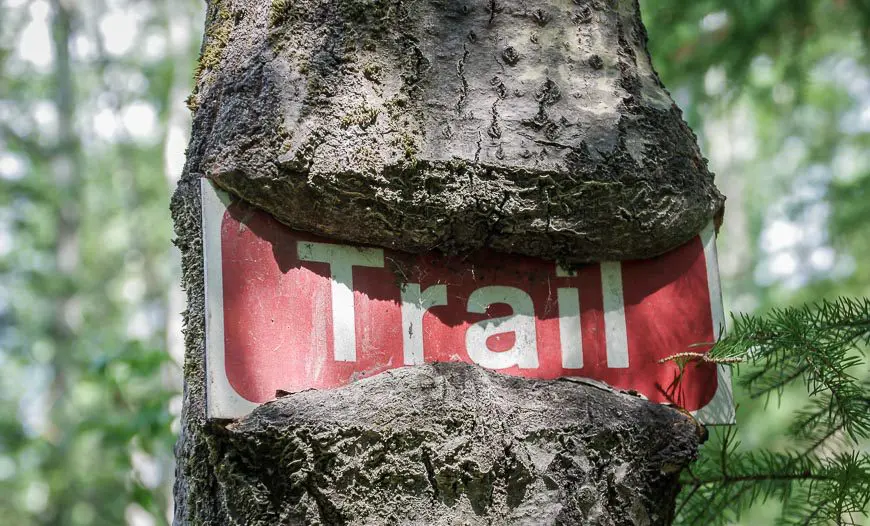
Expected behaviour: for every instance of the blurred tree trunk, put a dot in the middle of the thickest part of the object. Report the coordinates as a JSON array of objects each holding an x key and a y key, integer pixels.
[
  {"x": 529, "y": 128},
  {"x": 66, "y": 166}
]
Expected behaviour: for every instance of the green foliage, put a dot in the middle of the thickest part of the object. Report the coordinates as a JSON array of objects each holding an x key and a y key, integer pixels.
[
  {"x": 86, "y": 431},
  {"x": 777, "y": 91},
  {"x": 819, "y": 345},
  {"x": 822, "y": 476},
  {"x": 812, "y": 490}
]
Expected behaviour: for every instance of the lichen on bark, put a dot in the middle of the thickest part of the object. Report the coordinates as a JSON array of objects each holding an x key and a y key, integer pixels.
[{"x": 218, "y": 29}]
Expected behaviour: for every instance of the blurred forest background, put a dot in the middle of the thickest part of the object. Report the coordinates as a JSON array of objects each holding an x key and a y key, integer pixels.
[{"x": 93, "y": 128}]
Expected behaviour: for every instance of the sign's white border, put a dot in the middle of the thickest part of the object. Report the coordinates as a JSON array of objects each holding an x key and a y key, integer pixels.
[
  {"x": 720, "y": 410},
  {"x": 222, "y": 401}
]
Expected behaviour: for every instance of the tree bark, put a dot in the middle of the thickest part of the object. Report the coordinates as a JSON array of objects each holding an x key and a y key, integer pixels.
[{"x": 535, "y": 128}]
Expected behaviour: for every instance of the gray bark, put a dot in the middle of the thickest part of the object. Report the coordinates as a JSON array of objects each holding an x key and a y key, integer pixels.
[
  {"x": 453, "y": 444},
  {"x": 535, "y": 128}
]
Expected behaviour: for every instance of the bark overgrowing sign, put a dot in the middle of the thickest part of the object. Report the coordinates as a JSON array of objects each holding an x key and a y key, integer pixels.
[{"x": 290, "y": 311}]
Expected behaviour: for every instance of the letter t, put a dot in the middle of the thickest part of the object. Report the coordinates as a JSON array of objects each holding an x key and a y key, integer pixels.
[{"x": 341, "y": 260}]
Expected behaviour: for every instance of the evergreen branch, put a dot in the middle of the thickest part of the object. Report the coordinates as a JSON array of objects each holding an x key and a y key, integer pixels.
[
  {"x": 763, "y": 477},
  {"x": 835, "y": 486},
  {"x": 780, "y": 383},
  {"x": 811, "y": 449},
  {"x": 682, "y": 358},
  {"x": 821, "y": 347}
]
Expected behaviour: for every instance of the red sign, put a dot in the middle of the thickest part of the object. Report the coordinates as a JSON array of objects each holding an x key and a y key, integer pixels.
[{"x": 287, "y": 310}]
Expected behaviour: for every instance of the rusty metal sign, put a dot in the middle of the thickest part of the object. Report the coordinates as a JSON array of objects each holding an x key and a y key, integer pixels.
[{"x": 286, "y": 310}]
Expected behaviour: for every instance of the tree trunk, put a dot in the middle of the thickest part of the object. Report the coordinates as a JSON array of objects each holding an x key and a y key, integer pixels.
[{"x": 534, "y": 128}]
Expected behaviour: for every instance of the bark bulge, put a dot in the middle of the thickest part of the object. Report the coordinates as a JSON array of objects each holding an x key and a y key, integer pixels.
[
  {"x": 447, "y": 444},
  {"x": 424, "y": 124}
]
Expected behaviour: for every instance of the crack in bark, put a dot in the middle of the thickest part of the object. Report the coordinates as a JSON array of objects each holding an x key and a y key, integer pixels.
[
  {"x": 492, "y": 7},
  {"x": 460, "y": 72},
  {"x": 494, "y": 129},
  {"x": 548, "y": 143},
  {"x": 498, "y": 213},
  {"x": 479, "y": 140},
  {"x": 328, "y": 512},
  {"x": 430, "y": 472}
]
